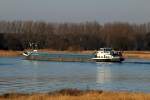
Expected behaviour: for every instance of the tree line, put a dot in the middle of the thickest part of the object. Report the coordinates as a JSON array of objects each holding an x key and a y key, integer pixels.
[{"x": 19, "y": 35}]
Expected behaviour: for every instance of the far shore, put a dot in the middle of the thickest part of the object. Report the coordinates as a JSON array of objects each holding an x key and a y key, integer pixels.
[
  {"x": 126, "y": 54},
  {"x": 75, "y": 94}
]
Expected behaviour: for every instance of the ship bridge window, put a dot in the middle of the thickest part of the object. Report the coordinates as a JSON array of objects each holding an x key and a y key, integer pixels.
[{"x": 107, "y": 56}]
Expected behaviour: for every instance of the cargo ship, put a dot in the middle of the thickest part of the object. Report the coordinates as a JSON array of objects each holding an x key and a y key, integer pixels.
[{"x": 102, "y": 55}]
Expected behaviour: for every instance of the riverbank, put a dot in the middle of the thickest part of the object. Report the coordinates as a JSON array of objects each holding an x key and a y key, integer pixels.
[
  {"x": 8, "y": 53},
  {"x": 126, "y": 54},
  {"x": 137, "y": 54},
  {"x": 74, "y": 94}
]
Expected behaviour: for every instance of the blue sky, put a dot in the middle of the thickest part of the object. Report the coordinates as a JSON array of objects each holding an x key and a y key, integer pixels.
[{"x": 76, "y": 10}]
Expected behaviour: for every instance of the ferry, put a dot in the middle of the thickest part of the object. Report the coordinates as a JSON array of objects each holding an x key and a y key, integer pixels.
[{"x": 108, "y": 55}]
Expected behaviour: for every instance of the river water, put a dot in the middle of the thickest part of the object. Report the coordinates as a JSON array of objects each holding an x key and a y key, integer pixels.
[{"x": 18, "y": 75}]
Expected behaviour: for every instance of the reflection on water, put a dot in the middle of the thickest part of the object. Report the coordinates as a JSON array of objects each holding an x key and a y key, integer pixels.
[
  {"x": 19, "y": 75},
  {"x": 103, "y": 74}
]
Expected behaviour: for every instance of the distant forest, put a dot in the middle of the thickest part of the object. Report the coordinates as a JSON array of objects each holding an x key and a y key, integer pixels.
[{"x": 19, "y": 35}]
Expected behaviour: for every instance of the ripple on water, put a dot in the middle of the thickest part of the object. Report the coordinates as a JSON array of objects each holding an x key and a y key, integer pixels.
[{"x": 42, "y": 76}]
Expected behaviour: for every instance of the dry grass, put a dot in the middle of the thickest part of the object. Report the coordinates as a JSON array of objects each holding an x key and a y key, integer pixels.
[
  {"x": 137, "y": 54},
  {"x": 74, "y": 94},
  {"x": 5, "y": 53}
]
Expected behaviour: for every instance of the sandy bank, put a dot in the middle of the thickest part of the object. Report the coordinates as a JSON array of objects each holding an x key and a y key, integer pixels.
[
  {"x": 137, "y": 54},
  {"x": 74, "y": 94},
  {"x": 5, "y": 53}
]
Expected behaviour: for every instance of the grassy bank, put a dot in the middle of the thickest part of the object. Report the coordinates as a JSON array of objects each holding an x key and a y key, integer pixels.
[
  {"x": 74, "y": 94},
  {"x": 137, "y": 54},
  {"x": 6, "y": 53},
  {"x": 126, "y": 54}
]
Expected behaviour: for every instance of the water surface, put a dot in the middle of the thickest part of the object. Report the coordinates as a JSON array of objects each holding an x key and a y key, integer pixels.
[{"x": 18, "y": 75}]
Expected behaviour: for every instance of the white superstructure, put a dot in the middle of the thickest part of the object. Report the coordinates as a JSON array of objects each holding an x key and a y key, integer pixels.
[{"x": 107, "y": 54}]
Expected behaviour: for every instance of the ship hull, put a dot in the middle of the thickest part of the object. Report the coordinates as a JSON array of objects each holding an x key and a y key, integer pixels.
[
  {"x": 108, "y": 60},
  {"x": 60, "y": 57}
]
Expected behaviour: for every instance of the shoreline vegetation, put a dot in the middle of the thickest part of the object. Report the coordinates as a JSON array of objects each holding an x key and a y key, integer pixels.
[
  {"x": 75, "y": 94},
  {"x": 126, "y": 54},
  {"x": 89, "y": 35}
]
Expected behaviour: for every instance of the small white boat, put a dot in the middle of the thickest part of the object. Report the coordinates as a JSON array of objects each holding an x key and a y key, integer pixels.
[{"x": 108, "y": 55}]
